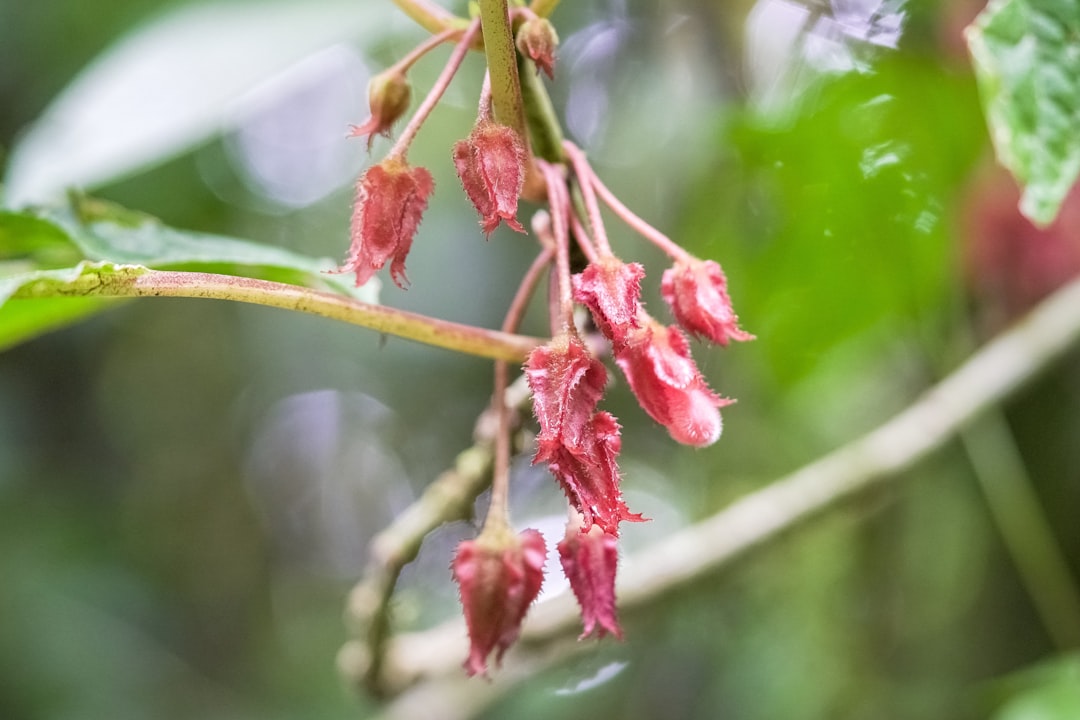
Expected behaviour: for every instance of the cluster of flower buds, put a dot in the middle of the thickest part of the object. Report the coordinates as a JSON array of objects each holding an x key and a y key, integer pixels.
[{"x": 500, "y": 573}]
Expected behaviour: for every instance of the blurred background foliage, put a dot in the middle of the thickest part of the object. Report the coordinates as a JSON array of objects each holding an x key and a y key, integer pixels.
[{"x": 187, "y": 488}]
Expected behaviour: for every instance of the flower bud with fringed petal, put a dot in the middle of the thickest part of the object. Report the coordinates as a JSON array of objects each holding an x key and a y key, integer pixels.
[
  {"x": 611, "y": 289},
  {"x": 390, "y": 199},
  {"x": 580, "y": 445},
  {"x": 668, "y": 385},
  {"x": 696, "y": 291},
  {"x": 491, "y": 166},
  {"x": 499, "y": 575},
  {"x": 589, "y": 559}
]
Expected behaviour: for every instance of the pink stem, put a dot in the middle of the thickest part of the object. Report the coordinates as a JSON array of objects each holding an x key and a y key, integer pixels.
[
  {"x": 541, "y": 227},
  {"x": 585, "y": 178},
  {"x": 584, "y": 242},
  {"x": 499, "y": 507},
  {"x": 484, "y": 111},
  {"x": 643, "y": 228},
  {"x": 500, "y": 480},
  {"x": 559, "y": 202},
  {"x": 403, "y": 65},
  {"x": 525, "y": 290}
]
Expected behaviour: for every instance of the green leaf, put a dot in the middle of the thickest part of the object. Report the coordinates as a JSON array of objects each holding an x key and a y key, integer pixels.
[
  {"x": 839, "y": 225},
  {"x": 1027, "y": 59},
  {"x": 104, "y": 231},
  {"x": 31, "y": 239},
  {"x": 21, "y": 320},
  {"x": 163, "y": 89}
]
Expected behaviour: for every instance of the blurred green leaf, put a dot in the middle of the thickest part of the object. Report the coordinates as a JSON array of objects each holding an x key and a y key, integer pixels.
[
  {"x": 841, "y": 223},
  {"x": 1048, "y": 691},
  {"x": 1027, "y": 58},
  {"x": 163, "y": 89},
  {"x": 115, "y": 237},
  {"x": 32, "y": 239}
]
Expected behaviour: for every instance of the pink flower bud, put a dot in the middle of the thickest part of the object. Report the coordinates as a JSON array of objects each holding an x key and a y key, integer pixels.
[
  {"x": 696, "y": 290},
  {"x": 499, "y": 575},
  {"x": 491, "y": 166},
  {"x": 567, "y": 383},
  {"x": 537, "y": 40},
  {"x": 390, "y": 199},
  {"x": 388, "y": 97},
  {"x": 581, "y": 446},
  {"x": 589, "y": 560},
  {"x": 611, "y": 289},
  {"x": 589, "y": 474},
  {"x": 669, "y": 386}
]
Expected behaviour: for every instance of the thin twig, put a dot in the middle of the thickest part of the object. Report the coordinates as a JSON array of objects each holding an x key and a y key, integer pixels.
[
  {"x": 586, "y": 179},
  {"x": 1024, "y": 528},
  {"x": 647, "y": 231},
  {"x": 401, "y": 147},
  {"x": 430, "y": 16},
  {"x": 991, "y": 375}
]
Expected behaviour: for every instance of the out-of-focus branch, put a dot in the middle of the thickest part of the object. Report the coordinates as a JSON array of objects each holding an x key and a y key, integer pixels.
[
  {"x": 368, "y": 611},
  {"x": 429, "y": 661},
  {"x": 450, "y": 497}
]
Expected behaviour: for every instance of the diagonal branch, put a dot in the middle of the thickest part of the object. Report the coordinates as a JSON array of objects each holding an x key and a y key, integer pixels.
[{"x": 991, "y": 375}]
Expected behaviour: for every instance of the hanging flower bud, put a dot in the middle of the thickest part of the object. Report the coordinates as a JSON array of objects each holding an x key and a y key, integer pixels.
[
  {"x": 499, "y": 575},
  {"x": 611, "y": 289},
  {"x": 491, "y": 166},
  {"x": 537, "y": 40},
  {"x": 580, "y": 446},
  {"x": 390, "y": 199},
  {"x": 589, "y": 474},
  {"x": 589, "y": 560},
  {"x": 567, "y": 383},
  {"x": 669, "y": 386},
  {"x": 696, "y": 290},
  {"x": 389, "y": 93}
]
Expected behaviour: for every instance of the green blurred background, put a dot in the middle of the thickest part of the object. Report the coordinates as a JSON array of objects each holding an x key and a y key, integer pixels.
[{"x": 187, "y": 488}]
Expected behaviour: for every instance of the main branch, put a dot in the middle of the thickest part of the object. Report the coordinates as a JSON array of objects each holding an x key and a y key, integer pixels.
[{"x": 412, "y": 326}]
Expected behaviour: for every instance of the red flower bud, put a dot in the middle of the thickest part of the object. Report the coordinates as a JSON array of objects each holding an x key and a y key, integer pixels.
[
  {"x": 537, "y": 40},
  {"x": 567, "y": 383},
  {"x": 499, "y": 575},
  {"x": 669, "y": 386},
  {"x": 581, "y": 446},
  {"x": 491, "y": 166},
  {"x": 589, "y": 474},
  {"x": 388, "y": 97},
  {"x": 589, "y": 560},
  {"x": 390, "y": 199},
  {"x": 611, "y": 289},
  {"x": 696, "y": 290}
]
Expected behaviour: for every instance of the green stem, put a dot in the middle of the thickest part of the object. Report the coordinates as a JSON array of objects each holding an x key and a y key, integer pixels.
[
  {"x": 430, "y": 16},
  {"x": 544, "y": 129},
  {"x": 159, "y": 283},
  {"x": 544, "y": 8},
  {"x": 502, "y": 65}
]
